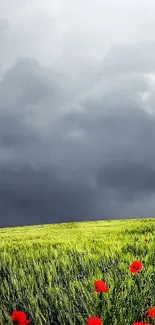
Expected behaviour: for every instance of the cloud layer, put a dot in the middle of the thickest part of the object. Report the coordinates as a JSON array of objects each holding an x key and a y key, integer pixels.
[{"x": 77, "y": 117}]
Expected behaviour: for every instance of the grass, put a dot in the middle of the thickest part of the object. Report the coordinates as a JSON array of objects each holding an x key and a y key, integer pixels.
[{"x": 49, "y": 271}]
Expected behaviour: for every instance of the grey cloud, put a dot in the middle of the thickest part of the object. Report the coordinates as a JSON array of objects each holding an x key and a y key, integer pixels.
[
  {"x": 26, "y": 93},
  {"x": 128, "y": 175},
  {"x": 127, "y": 58},
  {"x": 28, "y": 83},
  {"x": 78, "y": 155},
  {"x": 61, "y": 34},
  {"x": 34, "y": 197}
]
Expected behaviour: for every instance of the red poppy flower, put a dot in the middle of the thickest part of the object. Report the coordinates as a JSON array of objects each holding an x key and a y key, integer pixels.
[
  {"x": 141, "y": 323},
  {"x": 19, "y": 317},
  {"x": 94, "y": 321},
  {"x": 151, "y": 313},
  {"x": 100, "y": 286},
  {"x": 135, "y": 267},
  {"x": 146, "y": 240}
]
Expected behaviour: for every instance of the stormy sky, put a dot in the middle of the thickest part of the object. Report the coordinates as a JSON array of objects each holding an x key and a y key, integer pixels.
[{"x": 77, "y": 110}]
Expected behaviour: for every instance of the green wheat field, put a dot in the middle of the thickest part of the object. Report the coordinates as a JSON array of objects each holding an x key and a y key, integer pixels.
[{"x": 48, "y": 271}]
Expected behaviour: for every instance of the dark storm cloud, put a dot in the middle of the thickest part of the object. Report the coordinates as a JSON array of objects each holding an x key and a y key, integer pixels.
[
  {"x": 31, "y": 190},
  {"x": 29, "y": 197},
  {"x": 130, "y": 176},
  {"x": 26, "y": 93},
  {"x": 66, "y": 157}
]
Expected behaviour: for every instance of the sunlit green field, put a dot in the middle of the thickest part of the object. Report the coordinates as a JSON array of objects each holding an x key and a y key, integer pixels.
[{"x": 49, "y": 271}]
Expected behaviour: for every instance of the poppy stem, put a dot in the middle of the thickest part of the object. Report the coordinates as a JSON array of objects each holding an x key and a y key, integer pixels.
[
  {"x": 137, "y": 281},
  {"x": 100, "y": 305}
]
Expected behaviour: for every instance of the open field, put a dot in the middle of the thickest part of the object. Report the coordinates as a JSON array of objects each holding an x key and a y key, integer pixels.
[{"x": 49, "y": 271}]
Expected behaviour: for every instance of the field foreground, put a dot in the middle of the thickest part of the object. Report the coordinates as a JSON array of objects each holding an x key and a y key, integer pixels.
[{"x": 49, "y": 271}]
